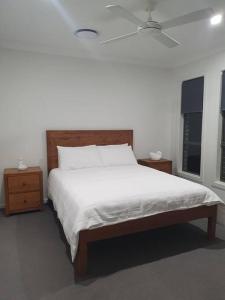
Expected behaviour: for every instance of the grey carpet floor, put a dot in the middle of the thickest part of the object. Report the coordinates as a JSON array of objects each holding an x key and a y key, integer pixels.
[{"x": 174, "y": 263}]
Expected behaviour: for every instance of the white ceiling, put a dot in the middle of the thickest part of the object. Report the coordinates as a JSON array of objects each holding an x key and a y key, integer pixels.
[{"x": 48, "y": 25}]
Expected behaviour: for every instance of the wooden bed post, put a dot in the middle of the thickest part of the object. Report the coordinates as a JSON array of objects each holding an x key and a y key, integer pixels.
[
  {"x": 80, "y": 263},
  {"x": 212, "y": 225},
  {"x": 211, "y": 228}
]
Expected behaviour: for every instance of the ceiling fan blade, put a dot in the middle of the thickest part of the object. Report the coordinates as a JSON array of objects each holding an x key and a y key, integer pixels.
[
  {"x": 189, "y": 18},
  {"x": 165, "y": 39},
  {"x": 122, "y": 37},
  {"x": 124, "y": 13}
]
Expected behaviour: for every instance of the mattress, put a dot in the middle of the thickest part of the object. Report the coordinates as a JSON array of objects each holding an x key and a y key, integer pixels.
[{"x": 94, "y": 197}]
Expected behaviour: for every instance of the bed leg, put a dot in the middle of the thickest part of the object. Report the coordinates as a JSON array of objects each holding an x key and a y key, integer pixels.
[
  {"x": 80, "y": 263},
  {"x": 211, "y": 228}
]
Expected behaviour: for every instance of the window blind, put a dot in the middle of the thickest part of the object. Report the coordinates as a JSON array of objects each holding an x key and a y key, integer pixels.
[
  {"x": 192, "y": 95},
  {"x": 223, "y": 92},
  {"x": 222, "y": 164}
]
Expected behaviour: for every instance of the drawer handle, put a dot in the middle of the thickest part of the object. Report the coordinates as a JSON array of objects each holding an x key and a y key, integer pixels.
[
  {"x": 24, "y": 184},
  {"x": 25, "y": 201}
]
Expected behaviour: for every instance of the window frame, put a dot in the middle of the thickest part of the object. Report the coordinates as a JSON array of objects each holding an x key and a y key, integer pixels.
[
  {"x": 179, "y": 147},
  {"x": 218, "y": 183}
]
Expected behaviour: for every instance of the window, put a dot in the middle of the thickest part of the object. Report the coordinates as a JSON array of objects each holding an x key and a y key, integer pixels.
[
  {"x": 192, "y": 142},
  {"x": 222, "y": 170},
  {"x": 192, "y": 104},
  {"x": 222, "y": 166}
]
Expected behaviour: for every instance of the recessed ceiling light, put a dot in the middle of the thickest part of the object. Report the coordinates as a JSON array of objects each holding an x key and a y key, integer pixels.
[
  {"x": 86, "y": 33},
  {"x": 216, "y": 20}
]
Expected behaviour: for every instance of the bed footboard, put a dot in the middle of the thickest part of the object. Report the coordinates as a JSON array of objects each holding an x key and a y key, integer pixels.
[{"x": 139, "y": 225}]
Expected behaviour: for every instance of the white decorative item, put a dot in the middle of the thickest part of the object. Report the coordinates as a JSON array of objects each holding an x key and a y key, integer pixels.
[
  {"x": 155, "y": 155},
  {"x": 21, "y": 165}
]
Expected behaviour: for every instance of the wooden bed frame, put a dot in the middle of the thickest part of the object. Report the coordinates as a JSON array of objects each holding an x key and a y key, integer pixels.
[{"x": 108, "y": 137}]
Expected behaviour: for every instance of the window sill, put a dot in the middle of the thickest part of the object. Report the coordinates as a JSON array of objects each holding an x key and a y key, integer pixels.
[
  {"x": 219, "y": 185},
  {"x": 189, "y": 176}
]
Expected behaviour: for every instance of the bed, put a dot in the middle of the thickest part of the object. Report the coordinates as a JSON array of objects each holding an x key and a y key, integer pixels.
[{"x": 100, "y": 203}]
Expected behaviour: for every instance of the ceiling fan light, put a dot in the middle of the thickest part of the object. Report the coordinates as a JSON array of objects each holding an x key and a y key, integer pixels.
[{"x": 216, "y": 20}]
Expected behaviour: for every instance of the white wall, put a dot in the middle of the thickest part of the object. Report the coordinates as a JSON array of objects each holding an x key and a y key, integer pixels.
[
  {"x": 211, "y": 68},
  {"x": 39, "y": 92}
]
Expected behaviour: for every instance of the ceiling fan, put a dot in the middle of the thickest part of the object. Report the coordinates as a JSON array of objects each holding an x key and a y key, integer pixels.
[{"x": 153, "y": 28}]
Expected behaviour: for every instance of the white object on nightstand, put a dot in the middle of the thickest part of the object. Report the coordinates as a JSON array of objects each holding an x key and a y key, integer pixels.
[
  {"x": 21, "y": 165},
  {"x": 155, "y": 155}
]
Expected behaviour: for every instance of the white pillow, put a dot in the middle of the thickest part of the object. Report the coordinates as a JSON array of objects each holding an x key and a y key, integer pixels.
[
  {"x": 70, "y": 158},
  {"x": 117, "y": 155}
]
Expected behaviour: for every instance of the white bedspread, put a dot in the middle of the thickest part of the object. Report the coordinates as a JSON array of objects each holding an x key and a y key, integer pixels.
[{"x": 94, "y": 197}]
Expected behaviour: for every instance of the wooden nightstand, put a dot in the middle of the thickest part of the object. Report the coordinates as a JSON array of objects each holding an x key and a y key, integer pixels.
[
  {"x": 23, "y": 190},
  {"x": 163, "y": 165}
]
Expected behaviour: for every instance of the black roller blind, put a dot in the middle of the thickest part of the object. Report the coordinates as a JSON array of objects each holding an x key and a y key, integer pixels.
[
  {"x": 223, "y": 93},
  {"x": 222, "y": 173},
  {"x": 192, "y": 95}
]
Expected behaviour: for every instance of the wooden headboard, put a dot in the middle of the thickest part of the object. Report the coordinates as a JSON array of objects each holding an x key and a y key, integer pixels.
[{"x": 77, "y": 138}]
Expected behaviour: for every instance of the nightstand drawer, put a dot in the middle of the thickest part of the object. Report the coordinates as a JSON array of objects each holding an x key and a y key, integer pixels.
[
  {"x": 164, "y": 168},
  {"x": 23, "y": 201},
  {"x": 23, "y": 183}
]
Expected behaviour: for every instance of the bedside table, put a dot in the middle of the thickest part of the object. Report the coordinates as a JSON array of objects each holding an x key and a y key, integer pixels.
[
  {"x": 163, "y": 165},
  {"x": 23, "y": 190}
]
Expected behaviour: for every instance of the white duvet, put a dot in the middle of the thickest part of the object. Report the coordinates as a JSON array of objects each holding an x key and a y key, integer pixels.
[{"x": 95, "y": 197}]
